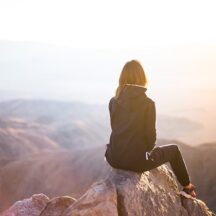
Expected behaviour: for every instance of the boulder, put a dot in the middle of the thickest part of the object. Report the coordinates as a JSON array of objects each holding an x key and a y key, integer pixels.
[{"x": 31, "y": 206}]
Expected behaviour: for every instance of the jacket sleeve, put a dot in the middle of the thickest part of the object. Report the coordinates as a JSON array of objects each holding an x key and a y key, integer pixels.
[
  {"x": 151, "y": 128},
  {"x": 110, "y": 107}
]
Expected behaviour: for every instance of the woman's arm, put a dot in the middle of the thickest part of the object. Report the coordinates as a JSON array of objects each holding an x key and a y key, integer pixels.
[
  {"x": 110, "y": 107},
  {"x": 151, "y": 129}
]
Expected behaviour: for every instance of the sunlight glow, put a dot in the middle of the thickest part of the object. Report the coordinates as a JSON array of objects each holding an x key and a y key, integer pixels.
[{"x": 101, "y": 24}]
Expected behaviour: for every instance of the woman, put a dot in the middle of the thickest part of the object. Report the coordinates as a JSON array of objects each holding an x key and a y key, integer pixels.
[{"x": 133, "y": 136}]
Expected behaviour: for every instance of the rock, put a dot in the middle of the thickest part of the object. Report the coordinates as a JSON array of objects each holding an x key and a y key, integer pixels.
[
  {"x": 123, "y": 193},
  {"x": 100, "y": 199},
  {"x": 136, "y": 194},
  {"x": 57, "y": 206},
  {"x": 28, "y": 207},
  {"x": 196, "y": 207}
]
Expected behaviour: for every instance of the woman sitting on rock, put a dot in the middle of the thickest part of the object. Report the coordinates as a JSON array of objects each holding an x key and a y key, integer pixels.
[{"x": 133, "y": 136}]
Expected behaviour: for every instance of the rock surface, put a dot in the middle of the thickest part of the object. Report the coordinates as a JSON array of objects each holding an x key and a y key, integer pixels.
[
  {"x": 31, "y": 206},
  {"x": 57, "y": 206},
  {"x": 121, "y": 193}
]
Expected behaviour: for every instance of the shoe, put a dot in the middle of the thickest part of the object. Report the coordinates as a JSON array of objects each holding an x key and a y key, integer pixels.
[{"x": 189, "y": 193}]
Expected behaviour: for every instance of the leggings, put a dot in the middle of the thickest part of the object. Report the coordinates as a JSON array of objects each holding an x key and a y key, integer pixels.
[{"x": 167, "y": 153}]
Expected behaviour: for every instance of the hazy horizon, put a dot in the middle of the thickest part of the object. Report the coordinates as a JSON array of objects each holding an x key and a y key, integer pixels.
[
  {"x": 74, "y": 51},
  {"x": 41, "y": 70}
]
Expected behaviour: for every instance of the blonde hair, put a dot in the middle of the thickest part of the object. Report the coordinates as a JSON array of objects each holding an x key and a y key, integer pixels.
[{"x": 132, "y": 74}]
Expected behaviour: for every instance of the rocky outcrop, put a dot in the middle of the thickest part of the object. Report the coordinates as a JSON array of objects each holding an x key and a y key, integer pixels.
[
  {"x": 121, "y": 193},
  {"x": 127, "y": 193}
]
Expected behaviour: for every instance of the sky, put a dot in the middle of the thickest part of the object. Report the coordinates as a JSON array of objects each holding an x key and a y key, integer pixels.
[
  {"x": 108, "y": 24},
  {"x": 58, "y": 49}
]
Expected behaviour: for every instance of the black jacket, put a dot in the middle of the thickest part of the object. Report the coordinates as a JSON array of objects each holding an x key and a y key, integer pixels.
[{"x": 132, "y": 118}]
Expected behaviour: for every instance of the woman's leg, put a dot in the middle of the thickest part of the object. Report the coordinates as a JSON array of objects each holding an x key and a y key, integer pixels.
[{"x": 169, "y": 153}]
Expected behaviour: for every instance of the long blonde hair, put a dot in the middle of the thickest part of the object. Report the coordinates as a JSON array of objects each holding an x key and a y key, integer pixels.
[{"x": 132, "y": 73}]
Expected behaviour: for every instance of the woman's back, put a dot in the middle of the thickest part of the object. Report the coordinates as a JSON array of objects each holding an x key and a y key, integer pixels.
[{"x": 130, "y": 116}]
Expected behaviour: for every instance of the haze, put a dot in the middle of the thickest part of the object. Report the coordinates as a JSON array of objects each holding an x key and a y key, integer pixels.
[{"x": 75, "y": 50}]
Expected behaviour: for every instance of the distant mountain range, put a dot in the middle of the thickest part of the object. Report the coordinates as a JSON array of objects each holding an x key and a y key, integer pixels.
[
  {"x": 78, "y": 125},
  {"x": 70, "y": 124}
]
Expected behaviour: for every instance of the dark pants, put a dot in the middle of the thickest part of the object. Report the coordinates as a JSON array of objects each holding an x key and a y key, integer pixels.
[{"x": 167, "y": 153}]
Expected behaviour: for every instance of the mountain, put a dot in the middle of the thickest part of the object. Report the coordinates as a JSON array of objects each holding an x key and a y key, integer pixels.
[
  {"x": 19, "y": 137},
  {"x": 71, "y": 124},
  {"x": 78, "y": 125}
]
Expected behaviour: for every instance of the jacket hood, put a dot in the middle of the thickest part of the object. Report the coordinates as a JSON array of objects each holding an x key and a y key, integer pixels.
[
  {"x": 130, "y": 97},
  {"x": 133, "y": 91}
]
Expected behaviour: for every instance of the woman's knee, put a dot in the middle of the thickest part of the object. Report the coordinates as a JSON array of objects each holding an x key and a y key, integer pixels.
[
  {"x": 174, "y": 147},
  {"x": 166, "y": 153},
  {"x": 175, "y": 150}
]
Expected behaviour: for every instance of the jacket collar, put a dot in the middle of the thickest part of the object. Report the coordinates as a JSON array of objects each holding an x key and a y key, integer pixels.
[{"x": 133, "y": 91}]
